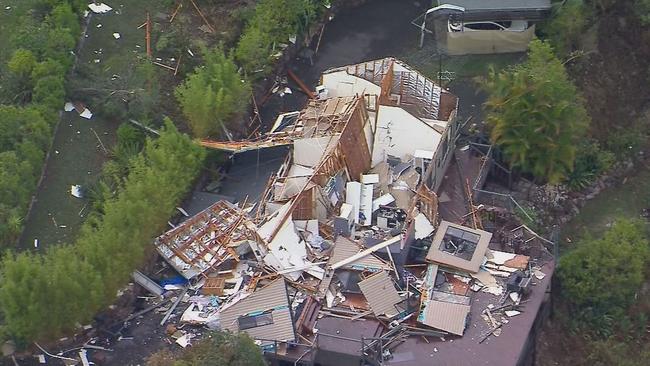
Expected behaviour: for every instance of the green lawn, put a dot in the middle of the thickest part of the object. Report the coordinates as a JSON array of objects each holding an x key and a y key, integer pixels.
[
  {"x": 427, "y": 61},
  {"x": 624, "y": 200}
]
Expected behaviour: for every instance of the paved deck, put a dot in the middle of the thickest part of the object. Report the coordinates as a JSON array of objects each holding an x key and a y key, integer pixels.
[{"x": 453, "y": 199}]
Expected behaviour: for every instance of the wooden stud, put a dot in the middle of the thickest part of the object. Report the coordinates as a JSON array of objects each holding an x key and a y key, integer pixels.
[{"x": 180, "y": 5}]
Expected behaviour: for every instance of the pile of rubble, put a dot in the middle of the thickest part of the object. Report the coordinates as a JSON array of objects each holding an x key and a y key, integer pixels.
[{"x": 344, "y": 254}]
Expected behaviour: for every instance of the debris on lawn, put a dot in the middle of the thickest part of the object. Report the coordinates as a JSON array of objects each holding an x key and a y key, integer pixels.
[{"x": 100, "y": 8}]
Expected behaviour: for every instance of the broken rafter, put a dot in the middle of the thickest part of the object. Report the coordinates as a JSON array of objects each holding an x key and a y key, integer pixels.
[
  {"x": 148, "y": 35},
  {"x": 163, "y": 65},
  {"x": 366, "y": 252},
  {"x": 180, "y": 5},
  {"x": 203, "y": 17},
  {"x": 178, "y": 64},
  {"x": 302, "y": 85}
]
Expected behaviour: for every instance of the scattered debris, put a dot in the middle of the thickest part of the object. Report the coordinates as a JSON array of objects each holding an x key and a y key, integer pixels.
[
  {"x": 100, "y": 8},
  {"x": 147, "y": 283},
  {"x": 76, "y": 191}
]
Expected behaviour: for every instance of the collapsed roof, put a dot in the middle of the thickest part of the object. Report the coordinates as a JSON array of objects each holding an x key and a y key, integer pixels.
[{"x": 348, "y": 227}]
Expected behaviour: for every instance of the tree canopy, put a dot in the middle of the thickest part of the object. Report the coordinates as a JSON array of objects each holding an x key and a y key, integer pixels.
[
  {"x": 536, "y": 115},
  {"x": 212, "y": 95}
]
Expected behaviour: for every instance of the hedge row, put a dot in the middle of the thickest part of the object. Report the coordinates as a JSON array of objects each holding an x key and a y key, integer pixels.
[{"x": 45, "y": 296}]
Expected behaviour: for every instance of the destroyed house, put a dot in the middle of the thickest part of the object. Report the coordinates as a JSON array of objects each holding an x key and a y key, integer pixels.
[{"x": 345, "y": 257}]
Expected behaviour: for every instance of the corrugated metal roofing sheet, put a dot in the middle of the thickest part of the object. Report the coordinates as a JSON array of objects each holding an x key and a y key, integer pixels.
[
  {"x": 272, "y": 297},
  {"x": 381, "y": 294},
  {"x": 446, "y": 316},
  {"x": 345, "y": 248}
]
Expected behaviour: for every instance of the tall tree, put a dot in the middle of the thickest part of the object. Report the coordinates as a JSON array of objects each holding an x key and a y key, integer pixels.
[
  {"x": 536, "y": 115},
  {"x": 214, "y": 94}
]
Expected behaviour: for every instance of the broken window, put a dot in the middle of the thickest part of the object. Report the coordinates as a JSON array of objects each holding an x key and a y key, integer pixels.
[
  {"x": 459, "y": 243},
  {"x": 254, "y": 321}
]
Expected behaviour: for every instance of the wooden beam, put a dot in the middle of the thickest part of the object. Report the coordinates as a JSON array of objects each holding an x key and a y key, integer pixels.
[
  {"x": 148, "y": 35},
  {"x": 178, "y": 64},
  {"x": 180, "y": 5},
  {"x": 203, "y": 16},
  {"x": 366, "y": 252},
  {"x": 302, "y": 85}
]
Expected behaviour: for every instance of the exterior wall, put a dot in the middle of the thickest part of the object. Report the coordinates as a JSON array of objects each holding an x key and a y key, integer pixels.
[{"x": 443, "y": 155}]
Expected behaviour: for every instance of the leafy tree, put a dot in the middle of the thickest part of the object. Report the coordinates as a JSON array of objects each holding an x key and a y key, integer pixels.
[
  {"x": 600, "y": 277},
  {"x": 213, "y": 94},
  {"x": 217, "y": 349},
  {"x": 591, "y": 161},
  {"x": 22, "y": 62},
  {"x": 536, "y": 115}
]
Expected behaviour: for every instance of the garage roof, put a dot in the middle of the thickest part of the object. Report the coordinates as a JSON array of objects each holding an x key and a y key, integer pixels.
[{"x": 491, "y": 5}]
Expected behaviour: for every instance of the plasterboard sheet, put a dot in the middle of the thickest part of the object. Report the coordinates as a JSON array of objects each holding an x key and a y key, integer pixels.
[
  {"x": 423, "y": 227},
  {"x": 423, "y": 154},
  {"x": 370, "y": 178},
  {"x": 382, "y": 201},
  {"x": 353, "y": 197}
]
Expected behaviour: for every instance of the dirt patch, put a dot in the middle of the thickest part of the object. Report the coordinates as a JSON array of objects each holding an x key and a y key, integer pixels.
[{"x": 614, "y": 79}]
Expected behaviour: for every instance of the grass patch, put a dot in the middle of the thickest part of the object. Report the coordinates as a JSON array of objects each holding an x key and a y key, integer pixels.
[
  {"x": 625, "y": 200},
  {"x": 427, "y": 61}
]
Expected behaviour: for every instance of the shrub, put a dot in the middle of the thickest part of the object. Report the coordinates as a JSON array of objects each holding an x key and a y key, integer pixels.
[
  {"x": 536, "y": 115},
  {"x": 566, "y": 26},
  {"x": 273, "y": 23},
  {"x": 591, "y": 161},
  {"x": 213, "y": 94},
  {"x": 217, "y": 349},
  {"x": 600, "y": 277},
  {"x": 642, "y": 9}
]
